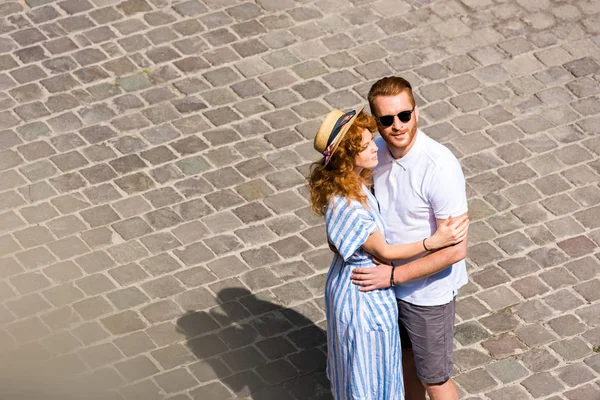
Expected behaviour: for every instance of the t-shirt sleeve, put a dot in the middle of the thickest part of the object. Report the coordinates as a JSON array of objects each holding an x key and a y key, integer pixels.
[
  {"x": 447, "y": 192},
  {"x": 348, "y": 226}
]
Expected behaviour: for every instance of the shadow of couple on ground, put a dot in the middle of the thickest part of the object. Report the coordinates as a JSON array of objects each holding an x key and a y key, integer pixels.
[{"x": 258, "y": 349}]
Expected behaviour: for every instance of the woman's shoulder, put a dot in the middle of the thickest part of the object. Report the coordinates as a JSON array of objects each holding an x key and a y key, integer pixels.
[{"x": 340, "y": 205}]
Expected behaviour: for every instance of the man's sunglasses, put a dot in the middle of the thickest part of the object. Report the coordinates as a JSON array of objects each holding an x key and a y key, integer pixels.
[{"x": 388, "y": 120}]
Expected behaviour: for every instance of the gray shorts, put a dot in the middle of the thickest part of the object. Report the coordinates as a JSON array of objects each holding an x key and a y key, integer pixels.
[{"x": 429, "y": 331}]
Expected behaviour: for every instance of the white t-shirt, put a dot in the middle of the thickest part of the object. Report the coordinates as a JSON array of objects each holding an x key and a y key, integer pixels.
[{"x": 413, "y": 191}]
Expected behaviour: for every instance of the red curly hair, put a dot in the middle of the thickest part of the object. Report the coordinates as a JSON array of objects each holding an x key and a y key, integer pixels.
[{"x": 338, "y": 177}]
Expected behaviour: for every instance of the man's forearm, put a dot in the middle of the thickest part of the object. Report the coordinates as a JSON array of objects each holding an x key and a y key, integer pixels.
[{"x": 431, "y": 263}]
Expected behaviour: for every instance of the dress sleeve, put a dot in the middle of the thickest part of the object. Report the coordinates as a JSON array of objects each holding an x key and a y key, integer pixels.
[
  {"x": 447, "y": 193},
  {"x": 348, "y": 226}
]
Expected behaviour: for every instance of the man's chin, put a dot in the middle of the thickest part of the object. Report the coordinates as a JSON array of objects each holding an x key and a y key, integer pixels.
[{"x": 398, "y": 142}]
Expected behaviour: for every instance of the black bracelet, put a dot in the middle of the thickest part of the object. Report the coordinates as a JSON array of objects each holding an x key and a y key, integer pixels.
[
  {"x": 425, "y": 247},
  {"x": 392, "y": 276}
]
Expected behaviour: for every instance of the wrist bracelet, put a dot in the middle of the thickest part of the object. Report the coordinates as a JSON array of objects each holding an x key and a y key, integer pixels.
[
  {"x": 392, "y": 276},
  {"x": 425, "y": 247}
]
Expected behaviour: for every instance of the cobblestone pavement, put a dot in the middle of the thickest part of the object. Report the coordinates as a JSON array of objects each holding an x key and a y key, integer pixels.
[{"x": 155, "y": 238}]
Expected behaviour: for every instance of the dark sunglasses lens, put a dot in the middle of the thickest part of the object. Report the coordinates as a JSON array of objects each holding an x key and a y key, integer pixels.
[
  {"x": 386, "y": 120},
  {"x": 404, "y": 116}
]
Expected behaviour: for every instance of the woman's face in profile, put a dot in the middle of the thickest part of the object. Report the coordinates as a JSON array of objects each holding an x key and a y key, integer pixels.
[{"x": 367, "y": 158}]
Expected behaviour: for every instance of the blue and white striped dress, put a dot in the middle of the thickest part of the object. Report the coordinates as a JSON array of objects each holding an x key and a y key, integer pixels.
[{"x": 364, "y": 356}]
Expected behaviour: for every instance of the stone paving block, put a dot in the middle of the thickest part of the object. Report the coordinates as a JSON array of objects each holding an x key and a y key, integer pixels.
[
  {"x": 160, "y": 242},
  {"x": 588, "y": 290},
  {"x": 557, "y": 277},
  {"x": 160, "y": 36},
  {"x": 511, "y": 392},
  {"x": 137, "y": 368},
  {"x": 254, "y": 167},
  {"x": 69, "y": 161},
  {"x": 63, "y": 294},
  {"x": 223, "y": 199},
  {"x": 33, "y": 236},
  {"x": 176, "y": 380},
  {"x": 35, "y": 150},
  {"x": 503, "y": 346},
  {"x": 85, "y": 75},
  {"x": 61, "y": 343},
  {"x": 580, "y": 175},
  {"x": 529, "y": 286},
  {"x": 222, "y": 222},
  {"x": 89, "y": 333},
  {"x": 592, "y": 361},
  {"x": 542, "y": 384},
  {"x": 476, "y": 381},
  {"x": 124, "y": 322},
  {"x": 63, "y": 271},
  {"x": 588, "y": 218},
  {"x": 587, "y": 391},
  {"x": 470, "y": 332},
  {"x": 196, "y": 276},
  {"x": 128, "y": 273},
  {"x": 8, "y": 245},
  {"x": 564, "y": 226},
  {"x": 583, "y": 87},
  {"x": 39, "y": 213},
  {"x": 587, "y": 314},
  {"x": 10, "y": 199},
  {"x": 216, "y": 390},
  {"x": 67, "y": 141},
  {"x": 25, "y": 94},
  {"x": 500, "y": 322},
  {"x": 68, "y": 247},
  {"x": 538, "y": 360},
  {"x": 146, "y": 389},
  {"x": 134, "y": 343},
  {"x": 577, "y": 246},
  {"x": 507, "y": 370},
  {"x": 28, "y": 329},
  {"x": 469, "y": 307},
  {"x": 463, "y": 83}
]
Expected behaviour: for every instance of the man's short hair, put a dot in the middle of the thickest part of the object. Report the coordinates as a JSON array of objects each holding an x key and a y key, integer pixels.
[{"x": 389, "y": 86}]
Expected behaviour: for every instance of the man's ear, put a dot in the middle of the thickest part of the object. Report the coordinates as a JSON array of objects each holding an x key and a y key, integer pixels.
[{"x": 416, "y": 113}]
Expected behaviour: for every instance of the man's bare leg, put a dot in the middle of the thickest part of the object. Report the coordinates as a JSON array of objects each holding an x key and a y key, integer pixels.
[
  {"x": 442, "y": 391},
  {"x": 413, "y": 387}
]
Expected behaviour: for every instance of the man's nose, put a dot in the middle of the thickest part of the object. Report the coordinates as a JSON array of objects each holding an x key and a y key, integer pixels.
[{"x": 397, "y": 123}]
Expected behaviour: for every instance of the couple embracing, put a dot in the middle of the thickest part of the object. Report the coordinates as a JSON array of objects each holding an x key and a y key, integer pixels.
[{"x": 396, "y": 217}]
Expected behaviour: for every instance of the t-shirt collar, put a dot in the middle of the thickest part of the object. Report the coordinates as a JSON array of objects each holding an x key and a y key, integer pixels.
[{"x": 409, "y": 158}]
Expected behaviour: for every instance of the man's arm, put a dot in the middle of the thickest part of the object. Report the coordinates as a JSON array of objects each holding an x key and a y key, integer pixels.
[
  {"x": 379, "y": 277},
  {"x": 431, "y": 263}
]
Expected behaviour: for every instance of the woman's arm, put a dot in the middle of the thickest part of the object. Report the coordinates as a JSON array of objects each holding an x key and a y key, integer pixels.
[
  {"x": 377, "y": 246},
  {"x": 379, "y": 276},
  {"x": 451, "y": 232}
]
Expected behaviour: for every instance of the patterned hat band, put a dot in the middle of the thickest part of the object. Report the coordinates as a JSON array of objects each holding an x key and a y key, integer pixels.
[{"x": 343, "y": 120}]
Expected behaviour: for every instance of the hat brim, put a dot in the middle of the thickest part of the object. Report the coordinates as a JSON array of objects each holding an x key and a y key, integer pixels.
[{"x": 342, "y": 133}]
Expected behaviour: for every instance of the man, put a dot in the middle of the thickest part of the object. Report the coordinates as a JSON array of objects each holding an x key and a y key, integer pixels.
[{"x": 419, "y": 184}]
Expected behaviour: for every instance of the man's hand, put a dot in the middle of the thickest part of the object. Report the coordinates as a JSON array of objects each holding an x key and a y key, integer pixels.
[{"x": 372, "y": 278}]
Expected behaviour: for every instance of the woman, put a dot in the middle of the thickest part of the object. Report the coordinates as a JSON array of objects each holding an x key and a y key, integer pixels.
[{"x": 364, "y": 356}]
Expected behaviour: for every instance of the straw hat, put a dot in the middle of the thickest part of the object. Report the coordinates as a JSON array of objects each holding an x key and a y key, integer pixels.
[{"x": 332, "y": 131}]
